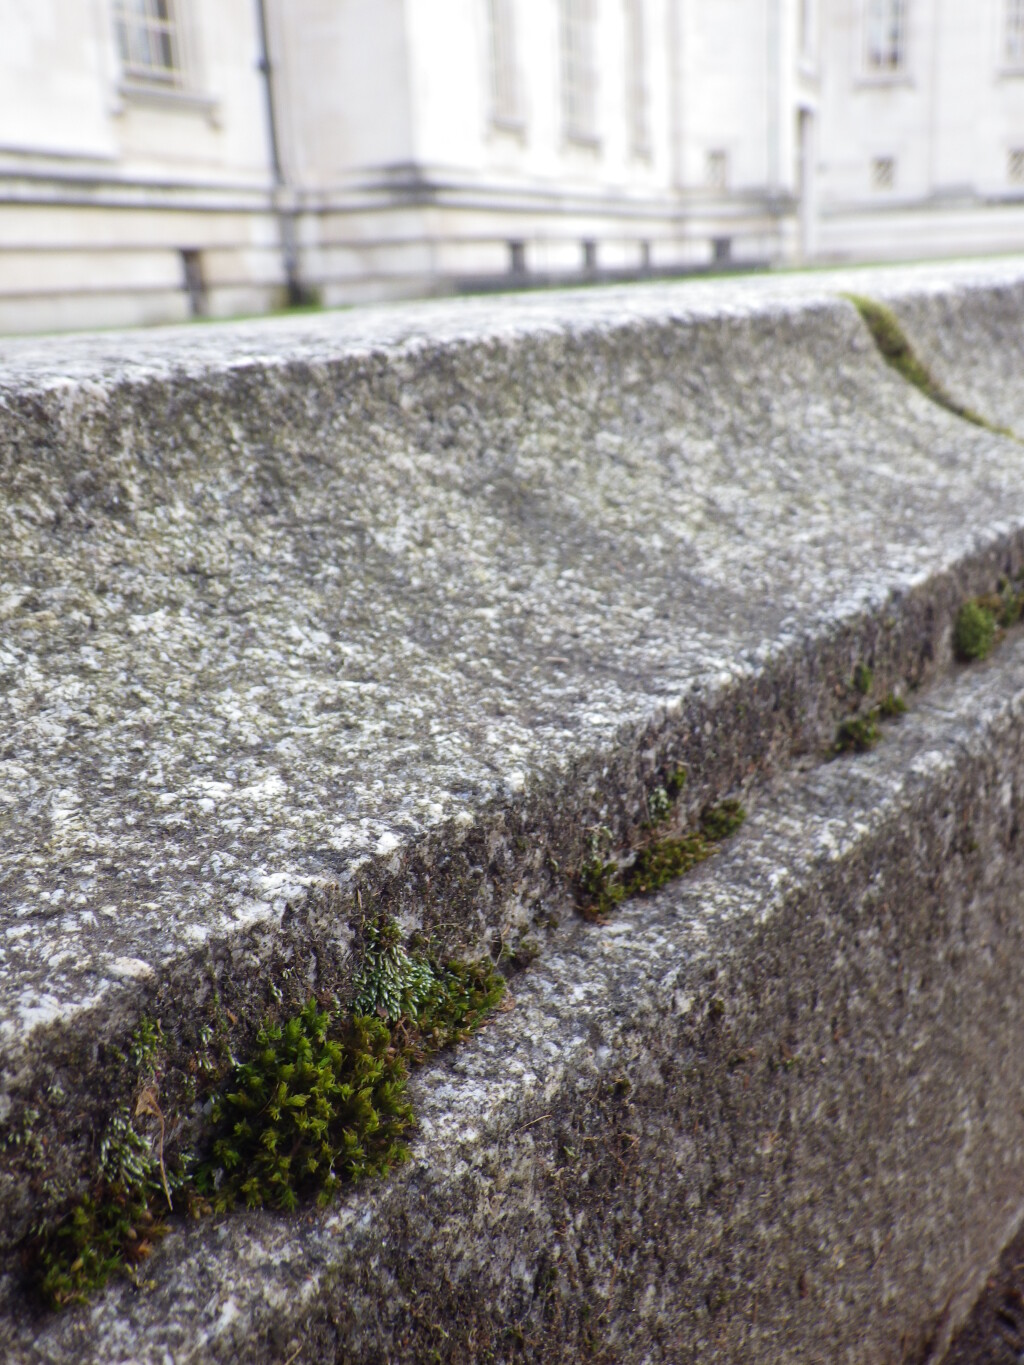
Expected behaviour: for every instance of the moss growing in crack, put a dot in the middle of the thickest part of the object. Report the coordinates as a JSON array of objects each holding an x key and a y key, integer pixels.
[
  {"x": 462, "y": 996},
  {"x": 891, "y": 706},
  {"x": 604, "y": 883},
  {"x": 320, "y": 1102},
  {"x": 145, "y": 1044},
  {"x": 980, "y": 622},
  {"x": 389, "y": 983},
  {"x": 111, "y": 1230},
  {"x": 860, "y": 732},
  {"x": 723, "y": 820},
  {"x": 974, "y": 632},
  {"x": 659, "y": 805},
  {"x": 857, "y": 734},
  {"x": 897, "y": 351},
  {"x": 863, "y": 679}
]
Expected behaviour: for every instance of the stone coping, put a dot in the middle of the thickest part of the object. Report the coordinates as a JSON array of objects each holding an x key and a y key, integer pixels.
[
  {"x": 411, "y": 602},
  {"x": 769, "y": 1114}
]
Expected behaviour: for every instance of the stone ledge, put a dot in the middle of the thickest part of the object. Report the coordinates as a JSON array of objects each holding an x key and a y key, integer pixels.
[
  {"x": 281, "y": 628},
  {"x": 413, "y": 605},
  {"x": 772, "y": 1114}
]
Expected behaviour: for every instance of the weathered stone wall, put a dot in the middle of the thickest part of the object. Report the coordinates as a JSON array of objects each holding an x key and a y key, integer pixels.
[{"x": 406, "y": 605}]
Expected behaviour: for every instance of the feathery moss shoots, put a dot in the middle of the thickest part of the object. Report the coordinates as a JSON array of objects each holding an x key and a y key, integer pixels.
[
  {"x": 390, "y": 983},
  {"x": 109, "y": 1232},
  {"x": 860, "y": 732},
  {"x": 604, "y": 884},
  {"x": 321, "y": 1102},
  {"x": 974, "y": 632}
]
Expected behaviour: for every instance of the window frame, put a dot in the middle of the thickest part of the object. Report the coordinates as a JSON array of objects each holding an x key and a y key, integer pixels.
[
  {"x": 893, "y": 20},
  {"x": 577, "y": 23},
  {"x": 506, "y": 88},
  {"x": 140, "y": 29}
]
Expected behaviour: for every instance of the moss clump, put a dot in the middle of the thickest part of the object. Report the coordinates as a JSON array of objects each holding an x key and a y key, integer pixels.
[
  {"x": 604, "y": 884},
  {"x": 974, "y": 632},
  {"x": 896, "y": 349},
  {"x": 320, "y": 1102},
  {"x": 860, "y": 732},
  {"x": 863, "y": 679},
  {"x": 113, "y": 1227},
  {"x": 390, "y": 983},
  {"x": 723, "y": 820},
  {"x": 599, "y": 888},
  {"x": 111, "y": 1230},
  {"x": 662, "y": 861},
  {"x": 463, "y": 995},
  {"x": 857, "y": 734},
  {"x": 891, "y": 706}
]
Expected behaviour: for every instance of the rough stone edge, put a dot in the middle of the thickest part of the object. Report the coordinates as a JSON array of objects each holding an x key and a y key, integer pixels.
[
  {"x": 508, "y": 874},
  {"x": 381, "y": 1293}
]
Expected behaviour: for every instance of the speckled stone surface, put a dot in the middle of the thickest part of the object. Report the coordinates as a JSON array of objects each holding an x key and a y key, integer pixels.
[
  {"x": 970, "y": 333},
  {"x": 408, "y": 601},
  {"x": 773, "y": 1114}
]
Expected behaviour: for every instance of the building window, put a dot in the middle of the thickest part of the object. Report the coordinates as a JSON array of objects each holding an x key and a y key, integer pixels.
[
  {"x": 886, "y": 49},
  {"x": 883, "y": 173},
  {"x": 1015, "y": 166},
  {"x": 717, "y": 170},
  {"x": 579, "y": 76},
  {"x": 636, "y": 80},
  {"x": 506, "y": 102},
  {"x": 1014, "y": 45},
  {"x": 149, "y": 41}
]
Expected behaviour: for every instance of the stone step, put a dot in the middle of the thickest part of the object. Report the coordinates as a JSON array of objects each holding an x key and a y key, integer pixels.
[
  {"x": 399, "y": 607},
  {"x": 773, "y": 1113}
]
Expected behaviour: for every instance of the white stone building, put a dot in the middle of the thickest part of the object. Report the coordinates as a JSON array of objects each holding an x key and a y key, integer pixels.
[{"x": 154, "y": 163}]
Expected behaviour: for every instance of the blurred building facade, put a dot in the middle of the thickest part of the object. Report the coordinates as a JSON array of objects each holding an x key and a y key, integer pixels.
[{"x": 162, "y": 158}]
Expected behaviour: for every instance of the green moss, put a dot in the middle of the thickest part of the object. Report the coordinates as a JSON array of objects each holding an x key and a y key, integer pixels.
[
  {"x": 389, "y": 983},
  {"x": 662, "y": 861},
  {"x": 860, "y": 732},
  {"x": 891, "y": 706},
  {"x": 863, "y": 679},
  {"x": 604, "y": 884},
  {"x": 320, "y": 1102},
  {"x": 721, "y": 821},
  {"x": 112, "y": 1228},
  {"x": 109, "y": 1232},
  {"x": 463, "y": 995},
  {"x": 974, "y": 632},
  {"x": 659, "y": 805},
  {"x": 145, "y": 1044},
  {"x": 896, "y": 349},
  {"x": 599, "y": 888},
  {"x": 980, "y": 622}
]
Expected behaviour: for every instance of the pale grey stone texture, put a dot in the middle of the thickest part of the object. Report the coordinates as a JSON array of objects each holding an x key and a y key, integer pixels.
[
  {"x": 411, "y": 601},
  {"x": 772, "y": 1114}
]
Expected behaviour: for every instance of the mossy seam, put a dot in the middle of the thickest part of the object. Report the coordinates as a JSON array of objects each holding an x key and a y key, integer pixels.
[
  {"x": 319, "y": 1102},
  {"x": 895, "y": 348},
  {"x": 605, "y": 882}
]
